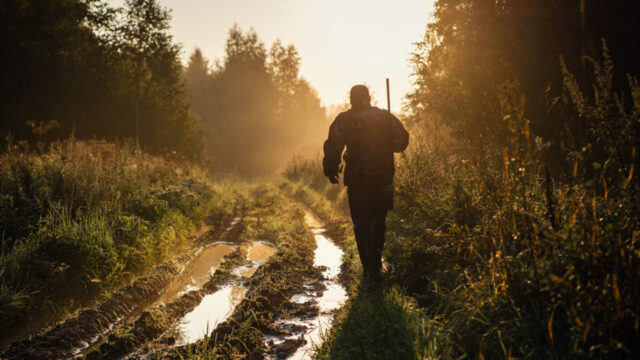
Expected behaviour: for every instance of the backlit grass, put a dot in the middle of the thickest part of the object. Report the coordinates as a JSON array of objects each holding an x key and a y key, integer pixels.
[{"x": 84, "y": 217}]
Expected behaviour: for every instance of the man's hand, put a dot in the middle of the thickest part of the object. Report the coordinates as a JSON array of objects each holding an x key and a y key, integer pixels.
[{"x": 333, "y": 179}]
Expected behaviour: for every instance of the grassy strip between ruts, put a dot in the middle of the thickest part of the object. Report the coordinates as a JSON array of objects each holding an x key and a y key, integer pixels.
[
  {"x": 374, "y": 323},
  {"x": 275, "y": 218},
  {"x": 86, "y": 217}
]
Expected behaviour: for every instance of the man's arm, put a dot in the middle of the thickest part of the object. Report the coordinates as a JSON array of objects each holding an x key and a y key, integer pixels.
[
  {"x": 399, "y": 135},
  {"x": 333, "y": 151}
]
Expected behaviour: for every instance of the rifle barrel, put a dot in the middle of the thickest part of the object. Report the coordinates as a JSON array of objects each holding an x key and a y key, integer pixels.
[{"x": 388, "y": 98}]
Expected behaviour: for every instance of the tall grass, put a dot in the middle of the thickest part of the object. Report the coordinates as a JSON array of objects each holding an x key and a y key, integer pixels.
[
  {"x": 513, "y": 262},
  {"x": 309, "y": 172},
  {"x": 83, "y": 217}
]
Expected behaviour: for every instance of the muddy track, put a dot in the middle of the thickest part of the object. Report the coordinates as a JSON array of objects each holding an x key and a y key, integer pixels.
[
  {"x": 242, "y": 334},
  {"x": 152, "y": 327},
  {"x": 67, "y": 338},
  {"x": 270, "y": 322},
  {"x": 269, "y": 290},
  {"x": 265, "y": 303},
  {"x": 310, "y": 311},
  {"x": 273, "y": 320},
  {"x": 280, "y": 314}
]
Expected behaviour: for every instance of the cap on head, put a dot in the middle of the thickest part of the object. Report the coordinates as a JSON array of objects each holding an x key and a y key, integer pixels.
[{"x": 360, "y": 95}]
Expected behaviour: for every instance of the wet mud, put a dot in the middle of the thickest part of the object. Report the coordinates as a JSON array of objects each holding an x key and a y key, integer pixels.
[
  {"x": 255, "y": 299},
  {"x": 188, "y": 318},
  {"x": 218, "y": 306},
  {"x": 212, "y": 310},
  {"x": 83, "y": 330},
  {"x": 290, "y": 302},
  {"x": 198, "y": 271},
  {"x": 310, "y": 311},
  {"x": 269, "y": 286},
  {"x": 156, "y": 326}
]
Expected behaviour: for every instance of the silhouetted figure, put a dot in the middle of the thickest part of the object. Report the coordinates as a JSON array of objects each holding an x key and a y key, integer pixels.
[{"x": 371, "y": 136}]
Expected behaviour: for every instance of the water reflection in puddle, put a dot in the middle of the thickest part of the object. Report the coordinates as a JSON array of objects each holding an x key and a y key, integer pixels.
[
  {"x": 260, "y": 251},
  {"x": 215, "y": 308},
  {"x": 212, "y": 310},
  {"x": 192, "y": 277},
  {"x": 329, "y": 256},
  {"x": 198, "y": 271},
  {"x": 258, "y": 254},
  {"x": 233, "y": 222}
]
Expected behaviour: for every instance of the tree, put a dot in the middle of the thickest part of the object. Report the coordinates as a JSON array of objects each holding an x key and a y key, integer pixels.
[
  {"x": 197, "y": 76},
  {"x": 88, "y": 67},
  {"x": 256, "y": 109},
  {"x": 155, "y": 75},
  {"x": 474, "y": 47},
  {"x": 49, "y": 54}
]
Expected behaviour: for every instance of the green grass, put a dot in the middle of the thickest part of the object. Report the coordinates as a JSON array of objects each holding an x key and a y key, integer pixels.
[
  {"x": 85, "y": 217},
  {"x": 309, "y": 173},
  {"x": 475, "y": 244},
  {"x": 380, "y": 324}
]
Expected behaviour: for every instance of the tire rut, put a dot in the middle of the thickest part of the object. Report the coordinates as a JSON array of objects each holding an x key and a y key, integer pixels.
[{"x": 71, "y": 336}]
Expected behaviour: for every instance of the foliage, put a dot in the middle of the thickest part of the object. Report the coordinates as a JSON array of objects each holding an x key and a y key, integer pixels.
[
  {"x": 255, "y": 107},
  {"x": 93, "y": 214},
  {"x": 473, "y": 48},
  {"x": 520, "y": 265},
  {"x": 95, "y": 70},
  {"x": 309, "y": 172},
  {"x": 512, "y": 262},
  {"x": 527, "y": 248}
]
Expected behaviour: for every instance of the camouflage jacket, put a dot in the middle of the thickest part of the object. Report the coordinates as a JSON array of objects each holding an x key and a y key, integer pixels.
[{"x": 371, "y": 136}]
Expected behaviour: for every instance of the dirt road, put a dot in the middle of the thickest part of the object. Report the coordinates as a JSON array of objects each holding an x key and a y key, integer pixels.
[{"x": 266, "y": 286}]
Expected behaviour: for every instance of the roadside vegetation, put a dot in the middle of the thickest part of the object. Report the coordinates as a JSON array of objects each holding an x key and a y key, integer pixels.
[
  {"x": 84, "y": 217},
  {"x": 502, "y": 259}
]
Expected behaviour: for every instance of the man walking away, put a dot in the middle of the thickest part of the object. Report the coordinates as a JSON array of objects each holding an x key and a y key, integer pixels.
[{"x": 371, "y": 136}]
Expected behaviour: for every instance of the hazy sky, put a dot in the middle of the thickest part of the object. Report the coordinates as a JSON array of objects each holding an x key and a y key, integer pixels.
[{"x": 341, "y": 43}]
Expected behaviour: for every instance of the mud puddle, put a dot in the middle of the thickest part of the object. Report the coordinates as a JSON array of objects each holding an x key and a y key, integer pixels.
[
  {"x": 198, "y": 271},
  {"x": 214, "y": 309},
  {"x": 257, "y": 255},
  {"x": 218, "y": 306},
  {"x": 193, "y": 275},
  {"x": 313, "y": 308}
]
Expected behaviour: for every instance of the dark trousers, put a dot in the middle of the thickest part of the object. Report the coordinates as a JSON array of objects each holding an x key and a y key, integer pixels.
[{"x": 369, "y": 207}]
